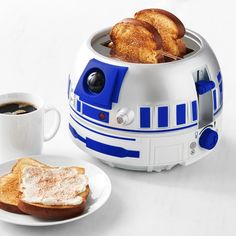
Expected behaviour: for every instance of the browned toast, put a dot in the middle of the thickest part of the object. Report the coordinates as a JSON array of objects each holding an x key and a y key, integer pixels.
[
  {"x": 53, "y": 193},
  {"x": 51, "y": 212},
  {"x": 54, "y": 212},
  {"x": 169, "y": 27},
  {"x": 136, "y": 41},
  {"x": 9, "y": 185}
]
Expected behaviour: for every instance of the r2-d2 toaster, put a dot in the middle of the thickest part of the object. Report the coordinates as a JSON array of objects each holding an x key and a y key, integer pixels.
[{"x": 146, "y": 117}]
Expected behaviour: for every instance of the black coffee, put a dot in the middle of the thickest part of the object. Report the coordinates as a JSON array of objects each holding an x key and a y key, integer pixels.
[{"x": 16, "y": 108}]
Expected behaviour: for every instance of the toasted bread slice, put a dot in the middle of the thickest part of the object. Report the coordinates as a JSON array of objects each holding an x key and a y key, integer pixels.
[
  {"x": 52, "y": 212},
  {"x": 9, "y": 185},
  {"x": 169, "y": 27},
  {"x": 136, "y": 41},
  {"x": 182, "y": 47},
  {"x": 53, "y": 193}
]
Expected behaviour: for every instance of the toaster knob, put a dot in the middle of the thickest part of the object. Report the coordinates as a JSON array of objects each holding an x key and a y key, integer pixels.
[
  {"x": 208, "y": 139},
  {"x": 125, "y": 116}
]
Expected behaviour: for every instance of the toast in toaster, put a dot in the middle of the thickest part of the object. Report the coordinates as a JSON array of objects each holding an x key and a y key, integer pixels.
[
  {"x": 53, "y": 193},
  {"x": 9, "y": 185},
  {"x": 136, "y": 41},
  {"x": 169, "y": 27}
]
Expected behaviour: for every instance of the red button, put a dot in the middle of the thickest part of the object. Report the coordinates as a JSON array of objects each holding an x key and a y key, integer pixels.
[{"x": 102, "y": 116}]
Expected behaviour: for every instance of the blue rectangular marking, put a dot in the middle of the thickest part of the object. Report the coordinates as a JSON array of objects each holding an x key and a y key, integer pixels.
[
  {"x": 214, "y": 100},
  {"x": 194, "y": 110},
  {"x": 162, "y": 116},
  {"x": 221, "y": 87},
  {"x": 96, "y": 113},
  {"x": 145, "y": 117},
  {"x": 219, "y": 77},
  {"x": 221, "y": 92},
  {"x": 78, "y": 106},
  {"x": 180, "y": 114}
]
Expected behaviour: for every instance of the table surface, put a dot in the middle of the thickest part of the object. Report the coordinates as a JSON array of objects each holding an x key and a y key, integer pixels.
[{"x": 38, "y": 44}]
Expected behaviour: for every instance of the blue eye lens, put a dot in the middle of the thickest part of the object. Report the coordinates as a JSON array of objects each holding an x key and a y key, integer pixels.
[{"x": 96, "y": 81}]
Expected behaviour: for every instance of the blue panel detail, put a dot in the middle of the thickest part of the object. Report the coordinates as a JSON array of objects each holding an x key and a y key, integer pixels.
[
  {"x": 219, "y": 77},
  {"x": 95, "y": 113},
  {"x": 68, "y": 88},
  {"x": 78, "y": 106},
  {"x": 214, "y": 100},
  {"x": 181, "y": 114},
  {"x": 114, "y": 76},
  {"x": 194, "y": 111},
  {"x": 110, "y": 150},
  {"x": 203, "y": 86},
  {"x": 106, "y": 135},
  {"x": 145, "y": 117},
  {"x": 134, "y": 130},
  {"x": 208, "y": 139},
  {"x": 162, "y": 114},
  {"x": 104, "y": 148},
  {"x": 221, "y": 92}
]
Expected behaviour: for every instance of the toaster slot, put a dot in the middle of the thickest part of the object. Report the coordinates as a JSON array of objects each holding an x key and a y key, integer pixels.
[
  {"x": 101, "y": 42},
  {"x": 106, "y": 43},
  {"x": 167, "y": 57}
]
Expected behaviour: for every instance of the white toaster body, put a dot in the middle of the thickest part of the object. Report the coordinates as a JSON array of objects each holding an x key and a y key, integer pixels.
[{"x": 146, "y": 117}]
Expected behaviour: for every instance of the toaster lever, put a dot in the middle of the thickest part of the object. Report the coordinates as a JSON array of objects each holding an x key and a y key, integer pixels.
[{"x": 203, "y": 86}]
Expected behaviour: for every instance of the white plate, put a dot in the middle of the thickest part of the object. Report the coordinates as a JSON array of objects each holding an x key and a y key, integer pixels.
[{"x": 99, "y": 184}]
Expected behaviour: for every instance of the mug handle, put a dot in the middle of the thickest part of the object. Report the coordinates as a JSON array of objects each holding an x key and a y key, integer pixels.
[{"x": 52, "y": 132}]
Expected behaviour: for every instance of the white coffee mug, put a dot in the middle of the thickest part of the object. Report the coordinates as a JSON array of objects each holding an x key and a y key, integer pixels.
[{"x": 22, "y": 135}]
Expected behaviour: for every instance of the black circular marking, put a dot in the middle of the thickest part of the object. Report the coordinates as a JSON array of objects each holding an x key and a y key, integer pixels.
[{"x": 96, "y": 81}]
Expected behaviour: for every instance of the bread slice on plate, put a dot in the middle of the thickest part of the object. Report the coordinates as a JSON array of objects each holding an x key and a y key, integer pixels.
[
  {"x": 169, "y": 27},
  {"x": 9, "y": 185},
  {"x": 136, "y": 41},
  {"x": 53, "y": 193}
]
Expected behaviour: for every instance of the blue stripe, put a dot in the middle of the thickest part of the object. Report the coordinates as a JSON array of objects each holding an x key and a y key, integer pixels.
[
  {"x": 181, "y": 114},
  {"x": 95, "y": 113},
  {"x": 75, "y": 134},
  {"x": 194, "y": 110},
  {"x": 130, "y": 130},
  {"x": 78, "y": 106},
  {"x": 214, "y": 100},
  {"x": 145, "y": 117},
  {"x": 106, "y": 135},
  {"x": 110, "y": 150},
  {"x": 219, "y": 77},
  {"x": 104, "y": 148},
  {"x": 162, "y": 114}
]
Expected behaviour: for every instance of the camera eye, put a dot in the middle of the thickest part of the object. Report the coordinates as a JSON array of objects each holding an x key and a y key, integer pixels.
[{"x": 96, "y": 81}]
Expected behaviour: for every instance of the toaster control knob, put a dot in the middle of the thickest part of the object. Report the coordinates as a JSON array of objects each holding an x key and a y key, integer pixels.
[
  {"x": 208, "y": 139},
  {"x": 125, "y": 116}
]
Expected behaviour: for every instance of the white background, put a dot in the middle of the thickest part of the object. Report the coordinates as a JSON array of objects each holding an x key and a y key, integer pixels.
[{"x": 38, "y": 44}]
